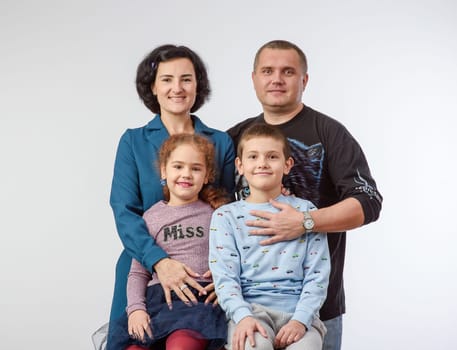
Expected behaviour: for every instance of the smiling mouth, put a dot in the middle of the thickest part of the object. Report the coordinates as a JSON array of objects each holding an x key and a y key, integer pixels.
[{"x": 184, "y": 184}]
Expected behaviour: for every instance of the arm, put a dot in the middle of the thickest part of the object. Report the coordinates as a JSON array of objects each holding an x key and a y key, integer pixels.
[
  {"x": 287, "y": 224},
  {"x": 224, "y": 263},
  {"x": 138, "y": 319},
  {"x": 359, "y": 201},
  {"x": 127, "y": 203},
  {"x": 227, "y": 166},
  {"x": 314, "y": 291}
]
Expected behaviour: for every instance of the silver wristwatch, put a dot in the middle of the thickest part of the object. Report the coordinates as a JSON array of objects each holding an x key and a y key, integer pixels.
[{"x": 308, "y": 222}]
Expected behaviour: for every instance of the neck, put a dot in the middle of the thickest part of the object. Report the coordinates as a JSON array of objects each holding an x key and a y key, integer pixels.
[
  {"x": 276, "y": 116},
  {"x": 261, "y": 196},
  {"x": 178, "y": 124}
]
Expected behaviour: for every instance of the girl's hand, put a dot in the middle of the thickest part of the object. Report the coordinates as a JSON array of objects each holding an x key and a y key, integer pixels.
[
  {"x": 138, "y": 324},
  {"x": 177, "y": 277}
]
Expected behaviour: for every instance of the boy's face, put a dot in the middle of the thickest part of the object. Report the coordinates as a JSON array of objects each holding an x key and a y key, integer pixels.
[{"x": 263, "y": 164}]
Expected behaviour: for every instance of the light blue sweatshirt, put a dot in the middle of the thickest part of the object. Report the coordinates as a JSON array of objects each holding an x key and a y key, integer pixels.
[{"x": 289, "y": 276}]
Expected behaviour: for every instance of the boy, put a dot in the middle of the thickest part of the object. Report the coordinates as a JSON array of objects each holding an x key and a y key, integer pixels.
[{"x": 272, "y": 295}]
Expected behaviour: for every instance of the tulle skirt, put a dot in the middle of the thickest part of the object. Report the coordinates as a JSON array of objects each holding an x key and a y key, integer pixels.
[{"x": 207, "y": 320}]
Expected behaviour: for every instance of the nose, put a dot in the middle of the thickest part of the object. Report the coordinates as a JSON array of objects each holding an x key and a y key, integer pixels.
[
  {"x": 262, "y": 162},
  {"x": 177, "y": 87},
  {"x": 186, "y": 172},
  {"x": 276, "y": 78}
]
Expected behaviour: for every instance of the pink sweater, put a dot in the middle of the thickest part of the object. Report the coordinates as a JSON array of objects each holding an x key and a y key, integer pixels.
[{"x": 181, "y": 231}]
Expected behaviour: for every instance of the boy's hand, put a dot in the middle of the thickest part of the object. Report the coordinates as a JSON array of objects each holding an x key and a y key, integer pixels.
[
  {"x": 138, "y": 324},
  {"x": 211, "y": 294},
  {"x": 291, "y": 332},
  {"x": 246, "y": 329}
]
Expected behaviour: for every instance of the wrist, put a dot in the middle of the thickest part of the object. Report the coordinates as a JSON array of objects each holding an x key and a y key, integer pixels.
[{"x": 308, "y": 222}]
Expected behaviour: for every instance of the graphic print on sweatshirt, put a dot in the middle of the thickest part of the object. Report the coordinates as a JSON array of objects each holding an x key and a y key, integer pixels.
[
  {"x": 305, "y": 176},
  {"x": 175, "y": 232}
]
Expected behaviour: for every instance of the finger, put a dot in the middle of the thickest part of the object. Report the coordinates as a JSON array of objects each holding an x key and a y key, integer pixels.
[
  {"x": 278, "y": 205},
  {"x": 149, "y": 331},
  {"x": 258, "y": 223},
  {"x": 262, "y": 330},
  {"x": 261, "y": 214},
  {"x": 168, "y": 298},
  {"x": 140, "y": 333},
  {"x": 212, "y": 296},
  {"x": 207, "y": 274},
  {"x": 271, "y": 240},
  {"x": 185, "y": 294},
  {"x": 193, "y": 283},
  {"x": 191, "y": 272},
  {"x": 251, "y": 339},
  {"x": 265, "y": 231}
]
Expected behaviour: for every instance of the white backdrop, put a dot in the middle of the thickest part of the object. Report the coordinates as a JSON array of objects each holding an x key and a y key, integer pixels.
[{"x": 386, "y": 69}]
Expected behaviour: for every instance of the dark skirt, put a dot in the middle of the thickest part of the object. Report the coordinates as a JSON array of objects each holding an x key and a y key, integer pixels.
[{"x": 207, "y": 320}]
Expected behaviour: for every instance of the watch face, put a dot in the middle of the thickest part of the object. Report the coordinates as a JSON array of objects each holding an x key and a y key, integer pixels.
[{"x": 309, "y": 224}]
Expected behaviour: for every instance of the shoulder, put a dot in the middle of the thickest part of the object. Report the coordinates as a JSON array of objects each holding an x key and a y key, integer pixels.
[
  {"x": 236, "y": 130},
  {"x": 154, "y": 210},
  {"x": 214, "y": 134},
  {"x": 229, "y": 207}
]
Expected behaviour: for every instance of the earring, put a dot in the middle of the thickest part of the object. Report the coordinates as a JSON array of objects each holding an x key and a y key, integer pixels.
[{"x": 163, "y": 182}]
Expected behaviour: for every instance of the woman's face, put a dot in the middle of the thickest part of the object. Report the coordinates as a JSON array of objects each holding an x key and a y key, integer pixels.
[{"x": 175, "y": 87}]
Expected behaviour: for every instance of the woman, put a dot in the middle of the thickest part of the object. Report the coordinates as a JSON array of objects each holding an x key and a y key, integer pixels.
[{"x": 172, "y": 82}]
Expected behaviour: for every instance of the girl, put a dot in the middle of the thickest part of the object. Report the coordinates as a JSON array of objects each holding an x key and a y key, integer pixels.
[{"x": 180, "y": 226}]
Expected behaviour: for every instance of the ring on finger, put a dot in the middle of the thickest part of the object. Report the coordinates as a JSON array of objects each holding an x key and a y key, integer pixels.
[{"x": 184, "y": 286}]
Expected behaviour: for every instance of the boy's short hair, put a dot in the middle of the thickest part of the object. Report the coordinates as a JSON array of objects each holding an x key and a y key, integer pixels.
[{"x": 263, "y": 130}]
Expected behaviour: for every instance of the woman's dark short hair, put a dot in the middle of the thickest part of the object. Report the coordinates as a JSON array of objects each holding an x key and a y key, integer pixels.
[{"x": 147, "y": 71}]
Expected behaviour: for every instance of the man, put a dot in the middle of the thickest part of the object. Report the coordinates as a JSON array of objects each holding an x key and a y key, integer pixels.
[{"x": 330, "y": 170}]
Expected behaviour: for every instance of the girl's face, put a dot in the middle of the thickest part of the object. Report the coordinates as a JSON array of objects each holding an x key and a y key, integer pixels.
[
  {"x": 175, "y": 87},
  {"x": 186, "y": 173}
]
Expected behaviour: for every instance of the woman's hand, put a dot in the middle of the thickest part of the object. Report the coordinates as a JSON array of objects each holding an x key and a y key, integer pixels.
[
  {"x": 177, "y": 277},
  {"x": 138, "y": 324},
  {"x": 212, "y": 297}
]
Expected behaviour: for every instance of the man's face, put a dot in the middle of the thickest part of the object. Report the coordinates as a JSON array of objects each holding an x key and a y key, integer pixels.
[{"x": 279, "y": 80}]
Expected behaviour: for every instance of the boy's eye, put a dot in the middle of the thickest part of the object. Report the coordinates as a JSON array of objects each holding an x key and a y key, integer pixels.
[
  {"x": 289, "y": 72},
  {"x": 266, "y": 71}
]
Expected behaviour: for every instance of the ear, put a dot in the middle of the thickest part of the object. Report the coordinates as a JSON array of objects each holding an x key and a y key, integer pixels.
[
  {"x": 153, "y": 89},
  {"x": 305, "y": 81},
  {"x": 239, "y": 165},
  {"x": 163, "y": 172},
  {"x": 288, "y": 165}
]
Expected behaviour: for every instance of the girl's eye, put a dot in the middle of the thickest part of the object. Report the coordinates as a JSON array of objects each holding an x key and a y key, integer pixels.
[{"x": 196, "y": 169}]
